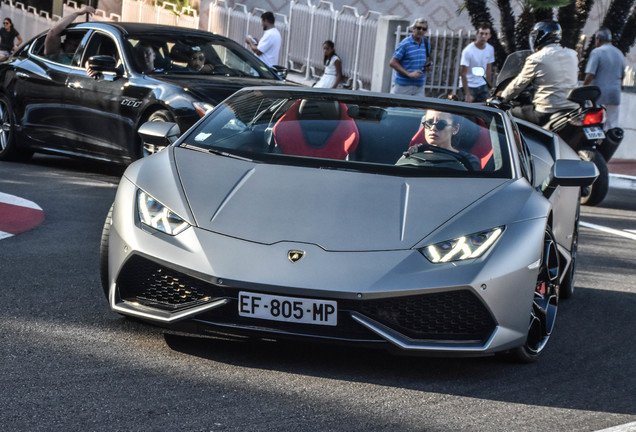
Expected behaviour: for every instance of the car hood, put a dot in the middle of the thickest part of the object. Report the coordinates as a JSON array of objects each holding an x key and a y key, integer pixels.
[
  {"x": 214, "y": 88},
  {"x": 336, "y": 210}
]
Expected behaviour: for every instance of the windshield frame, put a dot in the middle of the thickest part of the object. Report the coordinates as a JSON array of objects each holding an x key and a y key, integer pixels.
[{"x": 257, "y": 100}]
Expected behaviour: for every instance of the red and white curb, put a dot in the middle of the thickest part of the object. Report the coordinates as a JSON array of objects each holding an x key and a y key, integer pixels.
[{"x": 18, "y": 215}]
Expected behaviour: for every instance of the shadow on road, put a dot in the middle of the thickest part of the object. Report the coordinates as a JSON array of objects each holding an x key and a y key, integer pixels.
[{"x": 589, "y": 357}]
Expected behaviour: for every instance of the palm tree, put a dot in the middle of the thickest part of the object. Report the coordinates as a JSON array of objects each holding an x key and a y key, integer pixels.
[
  {"x": 626, "y": 41},
  {"x": 507, "y": 25},
  {"x": 572, "y": 18},
  {"x": 572, "y": 15}
]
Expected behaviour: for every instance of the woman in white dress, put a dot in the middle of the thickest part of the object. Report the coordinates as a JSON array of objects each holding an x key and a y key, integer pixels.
[{"x": 333, "y": 67}]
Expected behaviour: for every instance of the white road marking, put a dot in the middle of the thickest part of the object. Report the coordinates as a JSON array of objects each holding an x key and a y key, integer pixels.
[
  {"x": 14, "y": 200},
  {"x": 4, "y": 235},
  {"x": 627, "y": 427},
  {"x": 621, "y": 233}
]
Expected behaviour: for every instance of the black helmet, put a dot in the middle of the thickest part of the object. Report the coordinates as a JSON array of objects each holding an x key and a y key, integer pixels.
[{"x": 543, "y": 33}]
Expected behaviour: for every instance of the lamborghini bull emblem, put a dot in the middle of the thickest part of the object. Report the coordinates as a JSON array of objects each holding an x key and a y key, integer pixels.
[{"x": 295, "y": 255}]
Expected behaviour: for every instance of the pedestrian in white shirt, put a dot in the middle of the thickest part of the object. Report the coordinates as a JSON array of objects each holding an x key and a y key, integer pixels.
[
  {"x": 477, "y": 54},
  {"x": 267, "y": 47}
]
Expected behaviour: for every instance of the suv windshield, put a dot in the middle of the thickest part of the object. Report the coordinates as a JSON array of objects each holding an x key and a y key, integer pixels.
[
  {"x": 340, "y": 130},
  {"x": 193, "y": 54}
]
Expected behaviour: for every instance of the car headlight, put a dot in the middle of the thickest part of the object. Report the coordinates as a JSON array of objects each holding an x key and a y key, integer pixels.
[
  {"x": 154, "y": 214},
  {"x": 202, "y": 107},
  {"x": 462, "y": 248}
]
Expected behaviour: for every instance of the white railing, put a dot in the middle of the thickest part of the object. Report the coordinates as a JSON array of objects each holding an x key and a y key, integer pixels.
[
  {"x": 628, "y": 81},
  {"x": 303, "y": 31},
  {"x": 165, "y": 14},
  {"x": 446, "y": 49}
]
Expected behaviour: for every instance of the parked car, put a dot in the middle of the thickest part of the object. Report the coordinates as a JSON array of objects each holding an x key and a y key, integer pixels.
[
  {"x": 339, "y": 215},
  {"x": 51, "y": 104}
]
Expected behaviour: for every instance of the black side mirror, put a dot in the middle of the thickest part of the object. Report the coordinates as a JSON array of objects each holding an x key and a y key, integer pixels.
[
  {"x": 102, "y": 63},
  {"x": 573, "y": 172},
  {"x": 280, "y": 70}
]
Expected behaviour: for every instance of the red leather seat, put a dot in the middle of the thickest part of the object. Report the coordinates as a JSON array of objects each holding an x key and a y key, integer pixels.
[{"x": 316, "y": 129}]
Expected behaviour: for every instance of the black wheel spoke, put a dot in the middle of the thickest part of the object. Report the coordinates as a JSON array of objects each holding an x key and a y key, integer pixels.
[{"x": 546, "y": 297}]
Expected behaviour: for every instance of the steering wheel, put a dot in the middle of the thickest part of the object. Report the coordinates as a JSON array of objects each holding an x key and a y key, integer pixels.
[{"x": 427, "y": 155}]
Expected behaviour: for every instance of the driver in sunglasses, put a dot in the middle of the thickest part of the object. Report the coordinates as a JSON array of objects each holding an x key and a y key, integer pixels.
[
  {"x": 196, "y": 61},
  {"x": 439, "y": 130}
]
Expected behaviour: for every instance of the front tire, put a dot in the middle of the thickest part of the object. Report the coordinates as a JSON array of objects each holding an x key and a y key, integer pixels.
[
  {"x": 566, "y": 290},
  {"x": 9, "y": 150},
  {"x": 103, "y": 251},
  {"x": 598, "y": 190},
  {"x": 544, "y": 304}
]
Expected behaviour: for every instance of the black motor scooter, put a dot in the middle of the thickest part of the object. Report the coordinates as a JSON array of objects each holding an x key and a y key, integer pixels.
[{"x": 581, "y": 128}]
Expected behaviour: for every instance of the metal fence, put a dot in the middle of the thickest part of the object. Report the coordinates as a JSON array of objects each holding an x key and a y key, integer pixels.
[
  {"x": 303, "y": 31},
  {"x": 166, "y": 13}
]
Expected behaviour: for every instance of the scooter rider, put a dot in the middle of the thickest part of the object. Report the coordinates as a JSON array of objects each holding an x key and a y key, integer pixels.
[{"x": 551, "y": 69}]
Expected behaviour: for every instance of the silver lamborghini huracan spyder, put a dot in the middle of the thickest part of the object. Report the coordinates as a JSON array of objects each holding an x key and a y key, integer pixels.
[{"x": 425, "y": 225}]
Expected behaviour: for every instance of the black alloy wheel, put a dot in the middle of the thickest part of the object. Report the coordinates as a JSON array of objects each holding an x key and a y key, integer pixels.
[
  {"x": 103, "y": 251},
  {"x": 8, "y": 145},
  {"x": 566, "y": 290},
  {"x": 544, "y": 304}
]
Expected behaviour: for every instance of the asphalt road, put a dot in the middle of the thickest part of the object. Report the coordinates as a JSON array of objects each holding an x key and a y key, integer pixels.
[{"x": 69, "y": 363}]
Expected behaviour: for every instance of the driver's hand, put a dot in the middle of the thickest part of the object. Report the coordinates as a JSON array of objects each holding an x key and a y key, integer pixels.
[{"x": 412, "y": 150}]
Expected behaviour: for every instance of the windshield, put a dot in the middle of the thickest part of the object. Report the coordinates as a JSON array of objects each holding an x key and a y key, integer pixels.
[
  {"x": 340, "y": 130},
  {"x": 194, "y": 54},
  {"x": 513, "y": 65}
]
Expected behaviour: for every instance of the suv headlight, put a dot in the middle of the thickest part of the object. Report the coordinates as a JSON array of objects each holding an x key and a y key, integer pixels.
[
  {"x": 462, "y": 248},
  {"x": 156, "y": 215}
]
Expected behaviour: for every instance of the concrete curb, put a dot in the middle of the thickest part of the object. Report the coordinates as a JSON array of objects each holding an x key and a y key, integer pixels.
[{"x": 622, "y": 181}]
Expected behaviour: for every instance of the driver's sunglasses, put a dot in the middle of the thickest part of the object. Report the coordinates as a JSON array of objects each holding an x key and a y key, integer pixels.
[
  {"x": 198, "y": 57},
  {"x": 440, "y": 124},
  {"x": 420, "y": 28}
]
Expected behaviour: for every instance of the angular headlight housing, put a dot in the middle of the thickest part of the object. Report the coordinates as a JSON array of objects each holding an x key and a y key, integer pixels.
[
  {"x": 156, "y": 215},
  {"x": 462, "y": 248}
]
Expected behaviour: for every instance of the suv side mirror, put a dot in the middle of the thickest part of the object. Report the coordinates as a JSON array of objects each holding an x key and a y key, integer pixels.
[
  {"x": 280, "y": 70},
  {"x": 102, "y": 63}
]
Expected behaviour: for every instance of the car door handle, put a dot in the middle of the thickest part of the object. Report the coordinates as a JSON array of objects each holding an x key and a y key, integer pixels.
[
  {"x": 74, "y": 85},
  {"x": 21, "y": 75}
]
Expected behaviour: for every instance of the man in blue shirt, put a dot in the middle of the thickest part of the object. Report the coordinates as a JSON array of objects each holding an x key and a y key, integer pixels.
[{"x": 411, "y": 61}]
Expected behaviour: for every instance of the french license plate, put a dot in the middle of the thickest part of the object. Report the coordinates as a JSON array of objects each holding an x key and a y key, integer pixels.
[
  {"x": 290, "y": 309},
  {"x": 594, "y": 132}
]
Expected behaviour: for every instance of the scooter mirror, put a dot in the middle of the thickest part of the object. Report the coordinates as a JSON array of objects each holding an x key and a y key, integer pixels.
[{"x": 478, "y": 71}]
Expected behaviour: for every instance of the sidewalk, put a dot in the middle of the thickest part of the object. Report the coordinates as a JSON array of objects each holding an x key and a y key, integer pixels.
[{"x": 622, "y": 166}]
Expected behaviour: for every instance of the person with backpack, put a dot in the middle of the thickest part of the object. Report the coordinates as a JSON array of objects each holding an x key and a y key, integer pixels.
[{"x": 411, "y": 61}]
